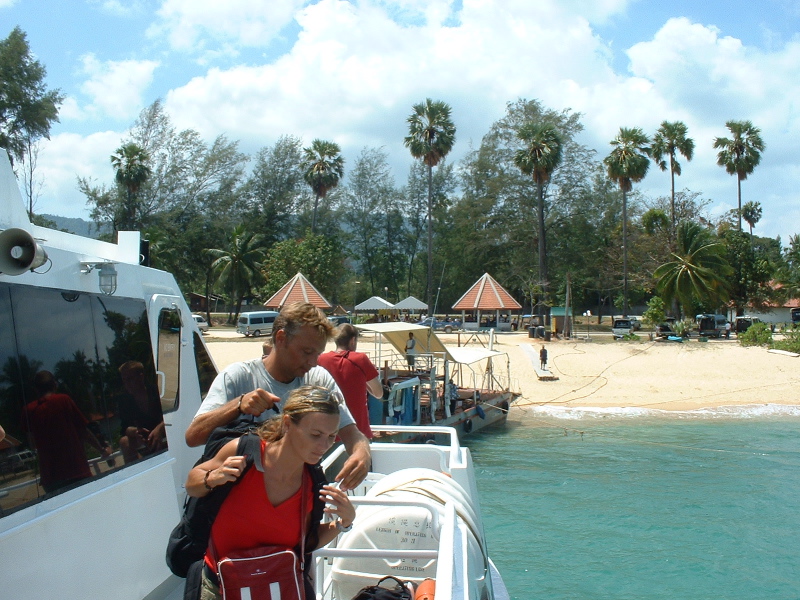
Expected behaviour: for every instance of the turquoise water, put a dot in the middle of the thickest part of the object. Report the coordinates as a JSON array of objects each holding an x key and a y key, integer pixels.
[{"x": 705, "y": 507}]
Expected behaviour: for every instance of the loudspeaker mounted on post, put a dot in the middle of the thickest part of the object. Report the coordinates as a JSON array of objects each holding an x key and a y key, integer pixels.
[{"x": 19, "y": 252}]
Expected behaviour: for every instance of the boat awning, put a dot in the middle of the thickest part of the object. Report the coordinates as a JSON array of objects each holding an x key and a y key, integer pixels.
[
  {"x": 396, "y": 333},
  {"x": 467, "y": 356}
]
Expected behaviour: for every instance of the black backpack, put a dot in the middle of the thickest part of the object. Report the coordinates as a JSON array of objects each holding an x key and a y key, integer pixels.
[{"x": 189, "y": 539}]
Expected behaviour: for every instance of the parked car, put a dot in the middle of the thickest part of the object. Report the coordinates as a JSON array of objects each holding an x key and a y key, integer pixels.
[
  {"x": 665, "y": 330},
  {"x": 22, "y": 461},
  {"x": 202, "y": 324},
  {"x": 621, "y": 327},
  {"x": 446, "y": 326},
  {"x": 742, "y": 324},
  {"x": 712, "y": 325},
  {"x": 337, "y": 320}
]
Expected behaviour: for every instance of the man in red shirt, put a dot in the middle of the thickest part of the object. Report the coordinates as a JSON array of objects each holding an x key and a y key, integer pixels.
[{"x": 354, "y": 373}]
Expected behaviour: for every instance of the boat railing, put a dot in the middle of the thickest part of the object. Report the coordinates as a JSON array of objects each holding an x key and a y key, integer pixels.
[
  {"x": 454, "y": 456},
  {"x": 450, "y": 556}
]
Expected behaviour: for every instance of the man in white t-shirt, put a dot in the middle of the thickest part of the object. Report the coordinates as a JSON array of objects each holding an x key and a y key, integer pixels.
[{"x": 253, "y": 387}]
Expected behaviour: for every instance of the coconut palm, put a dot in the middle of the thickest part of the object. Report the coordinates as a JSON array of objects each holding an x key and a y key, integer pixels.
[
  {"x": 132, "y": 170},
  {"x": 431, "y": 135},
  {"x": 627, "y": 164},
  {"x": 740, "y": 154},
  {"x": 238, "y": 266},
  {"x": 539, "y": 158},
  {"x": 323, "y": 167},
  {"x": 698, "y": 270},
  {"x": 751, "y": 213},
  {"x": 669, "y": 140}
]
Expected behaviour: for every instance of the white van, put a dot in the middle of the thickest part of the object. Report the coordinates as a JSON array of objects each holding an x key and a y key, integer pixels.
[{"x": 256, "y": 323}]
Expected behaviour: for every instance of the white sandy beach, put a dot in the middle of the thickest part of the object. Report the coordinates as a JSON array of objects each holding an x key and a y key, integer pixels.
[{"x": 654, "y": 375}]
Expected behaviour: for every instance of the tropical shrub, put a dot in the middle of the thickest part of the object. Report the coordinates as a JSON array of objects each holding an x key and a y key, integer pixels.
[{"x": 758, "y": 334}]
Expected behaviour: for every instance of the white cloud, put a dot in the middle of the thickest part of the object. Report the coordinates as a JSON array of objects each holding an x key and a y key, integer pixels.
[
  {"x": 63, "y": 159},
  {"x": 187, "y": 23},
  {"x": 7, "y": 3},
  {"x": 116, "y": 88},
  {"x": 120, "y": 8}
]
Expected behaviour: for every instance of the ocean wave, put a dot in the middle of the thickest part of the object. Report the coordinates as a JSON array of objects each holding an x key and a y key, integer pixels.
[{"x": 750, "y": 411}]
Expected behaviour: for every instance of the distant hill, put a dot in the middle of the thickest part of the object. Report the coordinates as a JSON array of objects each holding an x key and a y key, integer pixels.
[{"x": 76, "y": 226}]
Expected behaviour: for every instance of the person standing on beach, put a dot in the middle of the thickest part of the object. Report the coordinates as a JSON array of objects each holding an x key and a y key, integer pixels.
[
  {"x": 543, "y": 358},
  {"x": 354, "y": 373},
  {"x": 251, "y": 388},
  {"x": 411, "y": 350}
]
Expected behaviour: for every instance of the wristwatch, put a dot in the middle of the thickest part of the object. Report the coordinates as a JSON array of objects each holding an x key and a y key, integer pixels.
[{"x": 341, "y": 527}]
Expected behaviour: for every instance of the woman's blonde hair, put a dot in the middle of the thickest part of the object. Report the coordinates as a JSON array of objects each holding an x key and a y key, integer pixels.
[{"x": 302, "y": 401}]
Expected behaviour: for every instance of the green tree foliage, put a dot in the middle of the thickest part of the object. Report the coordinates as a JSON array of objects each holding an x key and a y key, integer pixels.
[
  {"x": 323, "y": 167},
  {"x": 366, "y": 210},
  {"x": 539, "y": 157},
  {"x": 753, "y": 270},
  {"x": 697, "y": 273},
  {"x": 740, "y": 153},
  {"x": 496, "y": 219},
  {"x": 789, "y": 275},
  {"x": 238, "y": 266},
  {"x": 130, "y": 163},
  {"x": 656, "y": 312},
  {"x": 670, "y": 140},
  {"x": 751, "y": 213},
  {"x": 27, "y": 107},
  {"x": 627, "y": 164},
  {"x": 431, "y": 135},
  {"x": 758, "y": 334},
  {"x": 276, "y": 189},
  {"x": 320, "y": 258}
]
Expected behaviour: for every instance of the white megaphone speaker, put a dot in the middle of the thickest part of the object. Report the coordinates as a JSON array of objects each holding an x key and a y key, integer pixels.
[{"x": 19, "y": 252}]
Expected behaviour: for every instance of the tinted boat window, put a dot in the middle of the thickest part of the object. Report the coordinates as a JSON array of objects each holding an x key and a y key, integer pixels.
[
  {"x": 80, "y": 347},
  {"x": 169, "y": 356}
]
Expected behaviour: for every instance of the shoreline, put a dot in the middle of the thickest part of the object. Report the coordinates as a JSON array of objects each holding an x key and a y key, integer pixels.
[{"x": 604, "y": 378}]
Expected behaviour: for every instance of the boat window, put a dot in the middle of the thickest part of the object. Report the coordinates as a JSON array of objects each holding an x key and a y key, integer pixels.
[
  {"x": 206, "y": 371},
  {"x": 169, "y": 356},
  {"x": 76, "y": 373}
]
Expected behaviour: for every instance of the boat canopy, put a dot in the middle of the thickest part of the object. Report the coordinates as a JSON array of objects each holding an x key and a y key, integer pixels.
[{"x": 396, "y": 333}]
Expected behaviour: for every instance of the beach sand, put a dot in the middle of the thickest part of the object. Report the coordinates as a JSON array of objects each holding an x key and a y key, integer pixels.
[{"x": 666, "y": 376}]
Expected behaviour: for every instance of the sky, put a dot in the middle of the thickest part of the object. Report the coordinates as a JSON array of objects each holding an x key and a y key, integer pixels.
[{"x": 350, "y": 72}]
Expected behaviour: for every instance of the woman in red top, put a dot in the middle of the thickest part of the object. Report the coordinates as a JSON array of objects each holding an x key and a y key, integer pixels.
[{"x": 264, "y": 507}]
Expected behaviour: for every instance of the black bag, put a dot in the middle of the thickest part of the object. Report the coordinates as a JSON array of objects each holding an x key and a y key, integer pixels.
[
  {"x": 189, "y": 539},
  {"x": 398, "y": 591}
]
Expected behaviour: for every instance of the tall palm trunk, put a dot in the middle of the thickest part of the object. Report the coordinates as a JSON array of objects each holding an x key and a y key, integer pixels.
[
  {"x": 430, "y": 241},
  {"x": 672, "y": 205},
  {"x": 739, "y": 190},
  {"x": 542, "y": 243},
  {"x": 624, "y": 253}
]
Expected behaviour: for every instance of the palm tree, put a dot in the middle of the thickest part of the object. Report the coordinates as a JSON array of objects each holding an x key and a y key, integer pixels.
[
  {"x": 627, "y": 164},
  {"x": 740, "y": 154},
  {"x": 238, "y": 266},
  {"x": 539, "y": 158},
  {"x": 323, "y": 167},
  {"x": 669, "y": 140},
  {"x": 130, "y": 163},
  {"x": 751, "y": 213},
  {"x": 698, "y": 270},
  {"x": 431, "y": 135}
]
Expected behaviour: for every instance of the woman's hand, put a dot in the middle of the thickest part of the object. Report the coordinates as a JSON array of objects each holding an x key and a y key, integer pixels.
[
  {"x": 230, "y": 470},
  {"x": 338, "y": 503}
]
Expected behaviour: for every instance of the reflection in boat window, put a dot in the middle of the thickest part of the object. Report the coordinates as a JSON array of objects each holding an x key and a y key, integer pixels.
[{"x": 67, "y": 431}]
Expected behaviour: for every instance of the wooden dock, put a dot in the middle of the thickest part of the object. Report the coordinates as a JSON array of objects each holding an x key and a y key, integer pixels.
[{"x": 542, "y": 374}]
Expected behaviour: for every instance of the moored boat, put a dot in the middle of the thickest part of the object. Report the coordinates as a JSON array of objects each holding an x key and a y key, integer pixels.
[{"x": 467, "y": 388}]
